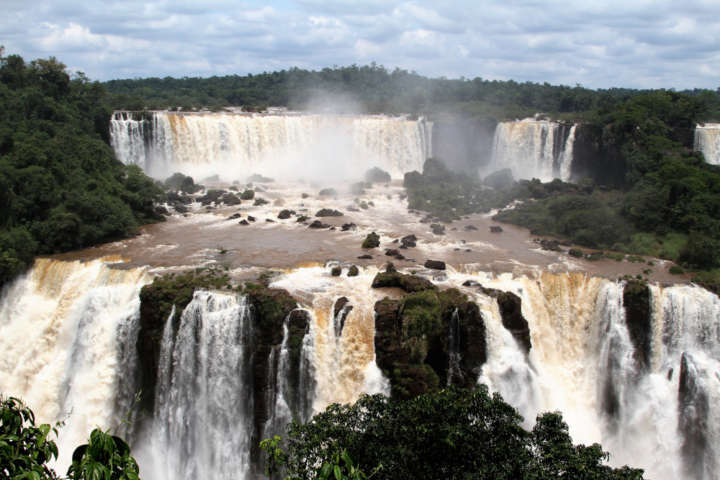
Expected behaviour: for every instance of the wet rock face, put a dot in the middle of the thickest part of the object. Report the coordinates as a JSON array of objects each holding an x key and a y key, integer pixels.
[
  {"x": 408, "y": 241},
  {"x": 513, "y": 320},
  {"x": 435, "y": 264},
  {"x": 429, "y": 339},
  {"x": 270, "y": 307},
  {"x": 409, "y": 283},
  {"x": 328, "y": 212},
  {"x": 636, "y": 301},
  {"x": 340, "y": 312},
  {"x": 372, "y": 240}
]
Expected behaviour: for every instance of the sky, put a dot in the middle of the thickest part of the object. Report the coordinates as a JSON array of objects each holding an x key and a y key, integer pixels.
[{"x": 596, "y": 44}]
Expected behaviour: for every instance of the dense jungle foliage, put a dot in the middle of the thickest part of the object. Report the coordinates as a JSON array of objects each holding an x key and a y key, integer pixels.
[
  {"x": 26, "y": 449},
  {"x": 61, "y": 187},
  {"x": 449, "y": 434},
  {"x": 373, "y": 89}
]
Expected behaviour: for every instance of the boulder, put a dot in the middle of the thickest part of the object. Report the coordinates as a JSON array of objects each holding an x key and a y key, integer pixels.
[
  {"x": 259, "y": 201},
  {"x": 551, "y": 245},
  {"x": 377, "y": 175},
  {"x": 302, "y": 218},
  {"x": 243, "y": 222},
  {"x": 435, "y": 264},
  {"x": 247, "y": 194},
  {"x": 234, "y": 216},
  {"x": 353, "y": 271},
  {"x": 437, "y": 229},
  {"x": 230, "y": 199},
  {"x": 408, "y": 241},
  {"x": 365, "y": 257},
  {"x": 372, "y": 240},
  {"x": 510, "y": 306},
  {"x": 284, "y": 214},
  {"x": 470, "y": 228},
  {"x": 328, "y": 212},
  {"x": 496, "y": 229},
  {"x": 251, "y": 218},
  {"x": 318, "y": 224},
  {"x": 336, "y": 271},
  {"x": 348, "y": 226},
  {"x": 328, "y": 192},
  {"x": 409, "y": 283}
]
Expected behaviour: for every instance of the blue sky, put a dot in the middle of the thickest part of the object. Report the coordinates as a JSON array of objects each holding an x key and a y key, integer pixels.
[{"x": 630, "y": 43}]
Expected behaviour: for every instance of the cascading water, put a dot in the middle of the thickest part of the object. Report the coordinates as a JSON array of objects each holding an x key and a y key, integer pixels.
[
  {"x": 201, "y": 427},
  {"x": 534, "y": 149},
  {"x": 59, "y": 347},
  {"x": 236, "y": 145},
  {"x": 662, "y": 415},
  {"x": 707, "y": 141}
]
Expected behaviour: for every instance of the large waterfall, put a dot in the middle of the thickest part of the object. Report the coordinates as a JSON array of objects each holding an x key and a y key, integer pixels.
[
  {"x": 68, "y": 328},
  {"x": 293, "y": 145},
  {"x": 534, "y": 149},
  {"x": 707, "y": 141}
]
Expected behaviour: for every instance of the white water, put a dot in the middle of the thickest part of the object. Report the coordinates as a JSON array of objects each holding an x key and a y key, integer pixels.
[
  {"x": 533, "y": 149},
  {"x": 707, "y": 141},
  {"x": 317, "y": 147},
  {"x": 58, "y": 349},
  {"x": 64, "y": 323}
]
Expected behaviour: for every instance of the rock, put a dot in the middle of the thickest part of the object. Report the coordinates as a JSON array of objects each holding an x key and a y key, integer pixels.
[
  {"x": 376, "y": 175},
  {"x": 269, "y": 220},
  {"x": 437, "y": 229},
  {"x": 328, "y": 192},
  {"x": 211, "y": 196},
  {"x": 304, "y": 195},
  {"x": 160, "y": 210},
  {"x": 341, "y": 310},
  {"x": 302, "y": 218},
  {"x": 353, "y": 271},
  {"x": 259, "y": 201},
  {"x": 257, "y": 178},
  {"x": 500, "y": 179},
  {"x": 435, "y": 264},
  {"x": 390, "y": 268},
  {"x": 470, "y": 228},
  {"x": 575, "y": 252},
  {"x": 318, "y": 224},
  {"x": 284, "y": 214},
  {"x": 251, "y": 218},
  {"x": 496, "y": 229},
  {"x": 348, "y": 226},
  {"x": 365, "y": 257},
  {"x": 372, "y": 240},
  {"x": 510, "y": 306},
  {"x": 243, "y": 222},
  {"x": 551, "y": 245},
  {"x": 328, "y": 212},
  {"x": 335, "y": 271},
  {"x": 247, "y": 194},
  {"x": 230, "y": 199},
  {"x": 180, "y": 208},
  {"x": 234, "y": 216},
  {"x": 364, "y": 205},
  {"x": 175, "y": 197},
  {"x": 395, "y": 241},
  {"x": 636, "y": 301},
  {"x": 409, "y": 283},
  {"x": 391, "y": 252},
  {"x": 408, "y": 241}
]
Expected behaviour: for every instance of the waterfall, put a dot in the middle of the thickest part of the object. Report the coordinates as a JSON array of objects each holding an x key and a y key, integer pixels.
[
  {"x": 203, "y": 413},
  {"x": 293, "y": 145},
  {"x": 62, "y": 326},
  {"x": 707, "y": 141},
  {"x": 69, "y": 331},
  {"x": 534, "y": 149}
]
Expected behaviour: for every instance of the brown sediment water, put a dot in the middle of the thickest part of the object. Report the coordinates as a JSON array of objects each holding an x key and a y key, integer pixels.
[{"x": 206, "y": 236}]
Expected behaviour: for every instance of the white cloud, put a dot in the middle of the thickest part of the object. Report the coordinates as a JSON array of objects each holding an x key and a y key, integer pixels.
[{"x": 639, "y": 43}]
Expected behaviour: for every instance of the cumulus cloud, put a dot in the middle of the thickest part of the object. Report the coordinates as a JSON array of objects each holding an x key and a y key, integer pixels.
[{"x": 642, "y": 43}]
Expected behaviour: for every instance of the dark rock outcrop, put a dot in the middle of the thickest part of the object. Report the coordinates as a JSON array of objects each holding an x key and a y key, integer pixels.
[
  {"x": 495, "y": 229},
  {"x": 353, "y": 271},
  {"x": 408, "y": 241},
  {"x": 437, "y": 229},
  {"x": 693, "y": 424},
  {"x": 341, "y": 310},
  {"x": 348, "y": 226},
  {"x": 510, "y": 306},
  {"x": 636, "y": 301},
  {"x": 377, "y": 175},
  {"x": 336, "y": 271},
  {"x": 372, "y": 240},
  {"x": 435, "y": 264},
  {"x": 365, "y": 257},
  {"x": 409, "y": 283},
  {"x": 285, "y": 214},
  {"x": 328, "y": 212},
  {"x": 230, "y": 199},
  {"x": 234, "y": 216},
  {"x": 318, "y": 224}
]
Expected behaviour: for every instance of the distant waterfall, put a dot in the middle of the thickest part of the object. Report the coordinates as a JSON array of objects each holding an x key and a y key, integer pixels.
[
  {"x": 236, "y": 145},
  {"x": 707, "y": 141},
  {"x": 534, "y": 149}
]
